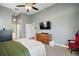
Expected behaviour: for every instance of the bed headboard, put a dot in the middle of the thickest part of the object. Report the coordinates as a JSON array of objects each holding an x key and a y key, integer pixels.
[{"x": 5, "y": 35}]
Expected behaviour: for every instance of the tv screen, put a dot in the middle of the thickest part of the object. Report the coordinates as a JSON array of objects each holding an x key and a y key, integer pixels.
[{"x": 45, "y": 25}]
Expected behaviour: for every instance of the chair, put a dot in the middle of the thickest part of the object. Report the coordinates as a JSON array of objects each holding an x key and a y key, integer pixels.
[{"x": 75, "y": 45}]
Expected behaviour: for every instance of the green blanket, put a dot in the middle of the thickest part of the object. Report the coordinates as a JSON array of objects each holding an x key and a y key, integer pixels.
[{"x": 12, "y": 48}]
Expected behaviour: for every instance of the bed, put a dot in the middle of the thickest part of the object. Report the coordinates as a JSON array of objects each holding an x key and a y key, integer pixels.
[
  {"x": 19, "y": 47},
  {"x": 13, "y": 48},
  {"x": 22, "y": 47},
  {"x": 36, "y": 48}
]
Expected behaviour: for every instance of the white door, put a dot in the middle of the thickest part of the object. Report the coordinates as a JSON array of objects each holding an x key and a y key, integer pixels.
[{"x": 30, "y": 31}]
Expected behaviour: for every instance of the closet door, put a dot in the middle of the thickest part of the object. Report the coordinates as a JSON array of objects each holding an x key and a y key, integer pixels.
[{"x": 30, "y": 31}]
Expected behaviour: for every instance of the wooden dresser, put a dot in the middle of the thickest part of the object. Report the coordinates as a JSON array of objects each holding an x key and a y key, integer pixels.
[{"x": 45, "y": 38}]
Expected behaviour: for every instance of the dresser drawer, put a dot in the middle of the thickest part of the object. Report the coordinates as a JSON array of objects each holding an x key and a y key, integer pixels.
[{"x": 43, "y": 38}]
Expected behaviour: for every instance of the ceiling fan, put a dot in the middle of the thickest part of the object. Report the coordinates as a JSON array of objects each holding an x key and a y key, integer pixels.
[{"x": 28, "y": 6}]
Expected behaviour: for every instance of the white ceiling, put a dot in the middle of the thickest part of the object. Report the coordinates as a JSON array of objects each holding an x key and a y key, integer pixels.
[{"x": 40, "y": 6}]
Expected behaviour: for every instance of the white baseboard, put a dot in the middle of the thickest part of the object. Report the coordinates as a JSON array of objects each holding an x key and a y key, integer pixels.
[{"x": 61, "y": 45}]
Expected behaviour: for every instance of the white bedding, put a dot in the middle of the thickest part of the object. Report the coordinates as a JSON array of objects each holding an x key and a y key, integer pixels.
[{"x": 35, "y": 48}]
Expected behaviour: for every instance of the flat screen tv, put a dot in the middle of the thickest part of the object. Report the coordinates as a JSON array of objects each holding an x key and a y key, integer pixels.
[{"x": 45, "y": 25}]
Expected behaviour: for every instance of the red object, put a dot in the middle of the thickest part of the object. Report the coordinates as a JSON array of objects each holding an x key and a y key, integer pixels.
[{"x": 74, "y": 45}]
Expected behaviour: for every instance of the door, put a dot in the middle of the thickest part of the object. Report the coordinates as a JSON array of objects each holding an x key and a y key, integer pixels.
[{"x": 30, "y": 31}]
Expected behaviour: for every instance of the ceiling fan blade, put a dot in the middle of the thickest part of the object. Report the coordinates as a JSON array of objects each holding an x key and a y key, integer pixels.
[
  {"x": 35, "y": 8},
  {"x": 30, "y": 3},
  {"x": 20, "y": 6},
  {"x": 33, "y": 3}
]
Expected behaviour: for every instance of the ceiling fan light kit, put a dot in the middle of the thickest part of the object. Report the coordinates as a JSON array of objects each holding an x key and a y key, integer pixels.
[{"x": 28, "y": 7}]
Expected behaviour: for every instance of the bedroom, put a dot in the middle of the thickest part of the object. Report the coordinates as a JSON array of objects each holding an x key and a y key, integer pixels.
[{"x": 62, "y": 16}]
